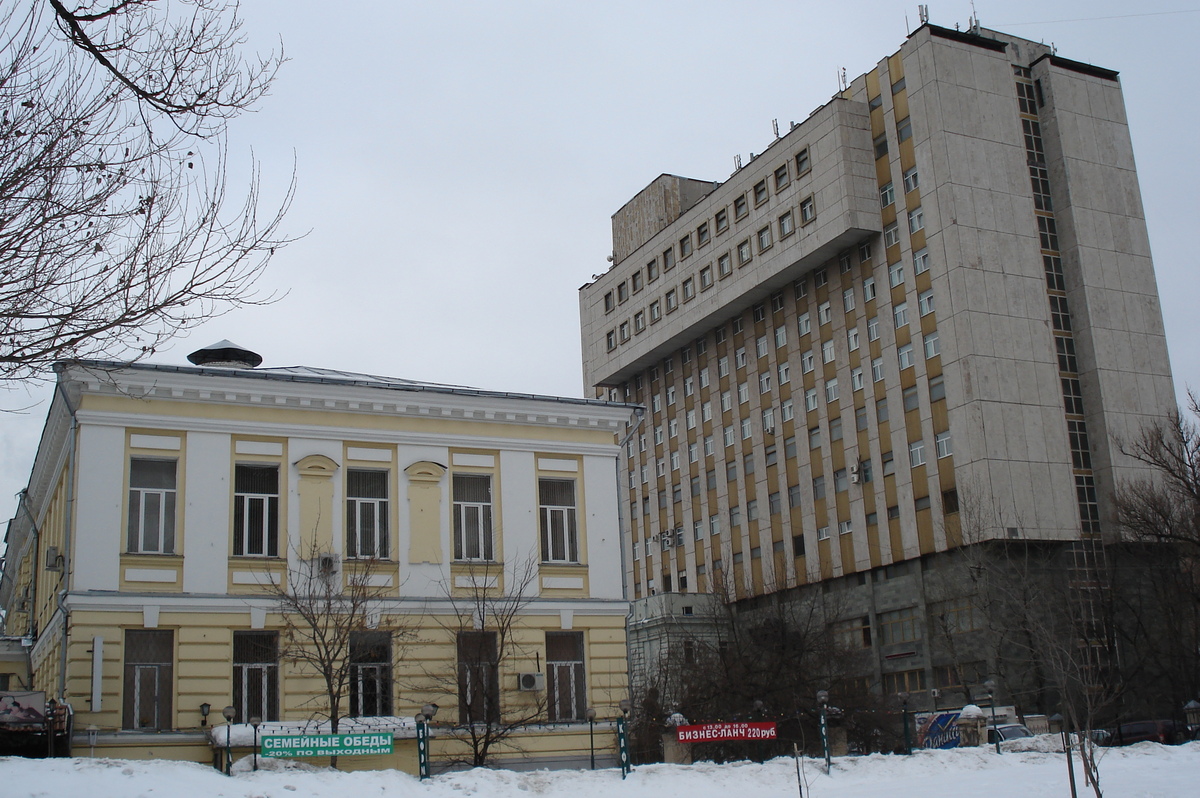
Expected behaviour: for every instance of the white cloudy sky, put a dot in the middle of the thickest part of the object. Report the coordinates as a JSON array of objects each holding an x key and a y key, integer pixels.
[{"x": 458, "y": 162}]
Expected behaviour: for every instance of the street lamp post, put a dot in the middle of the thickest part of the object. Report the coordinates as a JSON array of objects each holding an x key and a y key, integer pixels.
[
  {"x": 51, "y": 716},
  {"x": 591, "y": 719},
  {"x": 823, "y": 702},
  {"x": 255, "y": 721},
  {"x": 230, "y": 713},
  {"x": 904, "y": 711},
  {"x": 990, "y": 686}
]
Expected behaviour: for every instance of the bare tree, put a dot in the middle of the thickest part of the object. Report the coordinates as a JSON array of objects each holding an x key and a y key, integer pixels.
[
  {"x": 116, "y": 230},
  {"x": 328, "y": 609},
  {"x": 485, "y": 624}
]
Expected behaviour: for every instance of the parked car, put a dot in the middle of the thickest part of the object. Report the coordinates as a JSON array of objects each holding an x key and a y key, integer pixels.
[
  {"x": 1007, "y": 731},
  {"x": 1141, "y": 731}
]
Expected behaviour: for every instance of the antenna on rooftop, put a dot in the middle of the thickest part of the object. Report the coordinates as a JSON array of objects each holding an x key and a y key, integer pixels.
[
  {"x": 842, "y": 84},
  {"x": 737, "y": 162},
  {"x": 775, "y": 127},
  {"x": 923, "y": 13}
]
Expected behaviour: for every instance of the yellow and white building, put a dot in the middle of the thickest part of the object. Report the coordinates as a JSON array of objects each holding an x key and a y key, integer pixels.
[{"x": 165, "y": 501}]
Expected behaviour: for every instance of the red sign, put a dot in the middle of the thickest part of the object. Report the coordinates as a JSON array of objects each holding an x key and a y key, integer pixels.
[{"x": 711, "y": 732}]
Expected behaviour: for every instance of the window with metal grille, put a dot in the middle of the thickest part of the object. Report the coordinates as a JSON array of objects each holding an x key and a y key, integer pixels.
[
  {"x": 256, "y": 675},
  {"x": 370, "y": 674},
  {"x": 256, "y": 511},
  {"x": 148, "y": 679},
  {"x": 560, "y": 541},
  {"x": 367, "y": 514},
  {"x": 478, "y": 683},
  {"x": 151, "y": 506},
  {"x": 473, "y": 517},
  {"x": 566, "y": 685}
]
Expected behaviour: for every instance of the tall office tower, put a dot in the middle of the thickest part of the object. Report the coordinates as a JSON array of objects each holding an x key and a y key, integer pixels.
[{"x": 933, "y": 295}]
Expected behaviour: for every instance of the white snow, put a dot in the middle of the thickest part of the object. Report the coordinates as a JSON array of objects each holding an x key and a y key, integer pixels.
[
  {"x": 972, "y": 712},
  {"x": 1146, "y": 770}
]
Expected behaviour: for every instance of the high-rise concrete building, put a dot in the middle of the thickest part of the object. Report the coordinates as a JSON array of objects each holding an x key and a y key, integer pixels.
[{"x": 935, "y": 292}]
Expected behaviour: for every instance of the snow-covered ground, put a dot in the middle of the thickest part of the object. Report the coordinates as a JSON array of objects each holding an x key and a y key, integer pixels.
[{"x": 1146, "y": 770}]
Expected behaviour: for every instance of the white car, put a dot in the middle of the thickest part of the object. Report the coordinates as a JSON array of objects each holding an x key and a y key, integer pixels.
[{"x": 1007, "y": 731}]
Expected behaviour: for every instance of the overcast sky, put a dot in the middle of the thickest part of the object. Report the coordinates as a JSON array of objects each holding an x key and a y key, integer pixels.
[{"x": 458, "y": 163}]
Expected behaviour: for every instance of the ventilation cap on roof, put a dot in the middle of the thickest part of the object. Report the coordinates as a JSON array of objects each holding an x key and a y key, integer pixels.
[{"x": 225, "y": 354}]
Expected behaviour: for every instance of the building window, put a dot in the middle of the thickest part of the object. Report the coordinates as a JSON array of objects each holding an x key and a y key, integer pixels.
[
  {"x": 256, "y": 675},
  {"x": 721, "y": 219},
  {"x": 933, "y": 346},
  {"x": 904, "y": 355},
  {"x": 639, "y": 321},
  {"x": 685, "y": 246},
  {"x": 824, "y": 313},
  {"x": 764, "y": 238},
  {"x": 895, "y": 274},
  {"x": 780, "y": 337},
  {"x": 803, "y": 164},
  {"x": 784, "y": 373},
  {"x": 820, "y": 277},
  {"x": 724, "y": 265},
  {"x": 764, "y": 382},
  {"x": 367, "y": 514},
  {"x": 637, "y": 281},
  {"x": 823, "y": 533},
  {"x": 624, "y": 331},
  {"x": 852, "y": 339},
  {"x": 672, "y": 300},
  {"x": 786, "y": 225},
  {"x": 151, "y": 506},
  {"x": 856, "y": 378},
  {"x": 746, "y": 429},
  {"x": 148, "y": 683},
  {"x": 827, "y": 352},
  {"x": 566, "y": 685},
  {"x": 848, "y": 300},
  {"x": 903, "y": 130},
  {"x": 740, "y": 207},
  {"x": 925, "y": 302},
  {"x": 478, "y": 678},
  {"x": 652, "y": 270},
  {"x": 473, "y": 517},
  {"x": 881, "y": 145},
  {"x": 760, "y": 346},
  {"x": 702, "y": 235},
  {"x": 781, "y": 177},
  {"x": 942, "y": 443},
  {"x": 810, "y": 400},
  {"x": 877, "y": 369},
  {"x": 881, "y": 410},
  {"x": 916, "y": 453},
  {"x": 804, "y": 324},
  {"x": 744, "y": 253},
  {"x": 689, "y": 289},
  {"x": 370, "y": 674},
  {"x": 904, "y": 682},
  {"x": 560, "y": 540},
  {"x": 911, "y": 399},
  {"x": 668, "y": 259},
  {"x": 831, "y": 389},
  {"x": 898, "y": 626},
  {"x": 808, "y": 210},
  {"x": 921, "y": 261},
  {"x": 256, "y": 511},
  {"x": 760, "y": 192},
  {"x": 891, "y": 235},
  {"x": 706, "y": 278},
  {"x": 916, "y": 219},
  {"x": 868, "y": 289},
  {"x": 900, "y": 315},
  {"x": 887, "y": 195},
  {"x": 622, "y": 292},
  {"x": 609, "y": 304},
  {"x": 912, "y": 180},
  {"x": 937, "y": 388}
]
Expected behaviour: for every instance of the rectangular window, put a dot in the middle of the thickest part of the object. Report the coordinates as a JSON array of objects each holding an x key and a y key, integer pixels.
[
  {"x": 781, "y": 177},
  {"x": 942, "y": 443},
  {"x": 784, "y": 373},
  {"x": 724, "y": 265},
  {"x": 823, "y": 533},
  {"x": 898, "y": 626},
  {"x": 896, "y": 274},
  {"x": 637, "y": 281},
  {"x": 689, "y": 288},
  {"x": 743, "y": 390},
  {"x": 256, "y": 675},
  {"x": 810, "y": 400},
  {"x": 808, "y": 210},
  {"x": 706, "y": 278},
  {"x": 887, "y": 195},
  {"x": 903, "y": 130},
  {"x": 668, "y": 259},
  {"x": 566, "y": 685},
  {"x": 916, "y": 219},
  {"x": 652, "y": 270},
  {"x": 370, "y": 674},
  {"x": 911, "y": 399},
  {"x": 911, "y": 180},
  {"x": 560, "y": 538},
  {"x": 151, "y": 506},
  {"x": 148, "y": 683},
  {"x": 473, "y": 517},
  {"x": 916, "y": 453},
  {"x": 925, "y": 302},
  {"x": 864, "y": 252},
  {"x": 852, "y": 339},
  {"x": 702, "y": 235},
  {"x": 827, "y": 352},
  {"x": 881, "y": 145},
  {"x": 921, "y": 261},
  {"x": 937, "y": 388},
  {"x": 900, "y": 315},
  {"x": 256, "y": 511},
  {"x": 786, "y": 225},
  {"x": 746, "y": 429},
  {"x": 764, "y": 382},
  {"x": 367, "y": 514},
  {"x": 804, "y": 324},
  {"x": 891, "y": 235},
  {"x": 831, "y": 389},
  {"x": 739, "y": 357},
  {"x": 760, "y": 192},
  {"x": 873, "y": 328},
  {"x": 881, "y": 410},
  {"x": 740, "y": 207},
  {"x": 672, "y": 300},
  {"x": 639, "y": 321},
  {"x": 856, "y": 378},
  {"x": 933, "y": 346},
  {"x": 622, "y": 292},
  {"x": 824, "y": 313},
  {"x": 744, "y": 252},
  {"x": 877, "y": 369},
  {"x": 609, "y": 304},
  {"x": 848, "y": 300},
  {"x": 803, "y": 163},
  {"x": 685, "y": 246},
  {"x": 868, "y": 289},
  {"x": 760, "y": 346},
  {"x": 721, "y": 220},
  {"x": 904, "y": 355},
  {"x": 478, "y": 678},
  {"x": 764, "y": 238},
  {"x": 655, "y": 311}
]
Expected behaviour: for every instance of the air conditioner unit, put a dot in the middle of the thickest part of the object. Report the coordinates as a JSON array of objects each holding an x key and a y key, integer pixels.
[
  {"x": 327, "y": 564},
  {"x": 667, "y": 540},
  {"x": 531, "y": 682},
  {"x": 768, "y": 429},
  {"x": 854, "y": 473}
]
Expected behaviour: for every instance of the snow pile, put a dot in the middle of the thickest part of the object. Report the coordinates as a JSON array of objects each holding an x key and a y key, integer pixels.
[
  {"x": 1147, "y": 770},
  {"x": 971, "y": 712}
]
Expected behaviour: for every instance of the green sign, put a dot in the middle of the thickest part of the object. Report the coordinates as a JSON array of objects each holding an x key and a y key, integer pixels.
[{"x": 295, "y": 745}]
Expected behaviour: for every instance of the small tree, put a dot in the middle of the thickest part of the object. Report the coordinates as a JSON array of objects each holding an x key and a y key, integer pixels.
[
  {"x": 485, "y": 625},
  {"x": 324, "y": 604}
]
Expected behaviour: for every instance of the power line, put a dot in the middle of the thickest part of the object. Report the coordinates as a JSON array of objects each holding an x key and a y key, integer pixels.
[{"x": 1095, "y": 19}]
